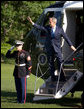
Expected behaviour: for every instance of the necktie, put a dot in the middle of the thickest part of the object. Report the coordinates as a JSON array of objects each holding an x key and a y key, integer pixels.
[{"x": 52, "y": 33}]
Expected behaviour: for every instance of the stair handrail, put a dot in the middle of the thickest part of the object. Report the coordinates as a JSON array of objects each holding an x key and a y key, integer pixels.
[{"x": 63, "y": 63}]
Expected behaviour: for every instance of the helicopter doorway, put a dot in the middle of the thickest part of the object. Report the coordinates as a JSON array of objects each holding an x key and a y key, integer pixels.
[
  {"x": 74, "y": 29},
  {"x": 79, "y": 28}
]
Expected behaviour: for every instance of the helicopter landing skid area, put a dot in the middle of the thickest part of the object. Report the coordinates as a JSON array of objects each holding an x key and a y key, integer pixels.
[{"x": 48, "y": 89}]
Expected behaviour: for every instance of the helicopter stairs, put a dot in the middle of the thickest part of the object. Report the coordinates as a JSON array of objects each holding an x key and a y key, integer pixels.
[{"x": 49, "y": 89}]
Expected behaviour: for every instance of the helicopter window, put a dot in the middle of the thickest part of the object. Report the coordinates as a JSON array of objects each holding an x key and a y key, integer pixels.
[
  {"x": 58, "y": 15},
  {"x": 46, "y": 20}
]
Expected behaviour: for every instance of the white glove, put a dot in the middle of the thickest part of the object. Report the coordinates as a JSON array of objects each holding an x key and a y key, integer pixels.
[
  {"x": 12, "y": 48},
  {"x": 27, "y": 76}
]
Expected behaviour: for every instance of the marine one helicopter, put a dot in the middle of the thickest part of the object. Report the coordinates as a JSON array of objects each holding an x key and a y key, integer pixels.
[{"x": 69, "y": 16}]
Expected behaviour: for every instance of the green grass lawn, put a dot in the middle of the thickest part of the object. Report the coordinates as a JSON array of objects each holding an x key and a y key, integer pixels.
[{"x": 8, "y": 93}]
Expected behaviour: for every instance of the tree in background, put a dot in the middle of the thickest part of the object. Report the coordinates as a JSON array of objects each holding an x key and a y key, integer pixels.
[{"x": 14, "y": 24}]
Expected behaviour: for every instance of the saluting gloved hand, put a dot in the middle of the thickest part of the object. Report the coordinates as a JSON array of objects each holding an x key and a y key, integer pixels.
[{"x": 11, "y": 48}]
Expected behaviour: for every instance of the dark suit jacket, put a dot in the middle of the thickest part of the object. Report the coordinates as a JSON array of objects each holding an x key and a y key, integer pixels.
[{"x": 56, "y": 41}]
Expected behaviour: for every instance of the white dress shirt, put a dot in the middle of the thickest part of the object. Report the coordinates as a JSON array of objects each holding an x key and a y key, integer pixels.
[{"x": 53, "y": 29}]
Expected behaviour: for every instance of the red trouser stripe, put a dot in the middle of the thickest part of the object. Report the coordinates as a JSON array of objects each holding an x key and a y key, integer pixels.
[{"x": 25, "y": 91}]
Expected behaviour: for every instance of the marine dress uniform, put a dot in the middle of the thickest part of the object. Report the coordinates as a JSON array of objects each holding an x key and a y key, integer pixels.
[{"x": 21, "y": 70}]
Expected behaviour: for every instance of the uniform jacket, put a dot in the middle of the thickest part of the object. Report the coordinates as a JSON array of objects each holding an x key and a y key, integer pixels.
[
  {"x": 20, "y": 58},
  {"x": 56, "y": 41}
]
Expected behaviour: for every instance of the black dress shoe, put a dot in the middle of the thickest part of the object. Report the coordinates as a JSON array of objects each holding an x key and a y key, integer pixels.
[
  {"x": 55, "y": 78},
  {"x": 18, "y": 101},
  {"x": 63, "y": 79}
]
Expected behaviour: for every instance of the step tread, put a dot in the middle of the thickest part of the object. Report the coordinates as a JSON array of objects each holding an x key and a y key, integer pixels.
[{"x": 49, "y": 95}]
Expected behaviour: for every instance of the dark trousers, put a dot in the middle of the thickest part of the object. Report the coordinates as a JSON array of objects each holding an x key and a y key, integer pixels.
[
  {"x": 51, "y": 55},
  {"x": 21, "y": 88}
]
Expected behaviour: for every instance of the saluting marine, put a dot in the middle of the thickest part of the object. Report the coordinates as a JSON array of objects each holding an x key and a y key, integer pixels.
[{"x": 22, "y": 69}]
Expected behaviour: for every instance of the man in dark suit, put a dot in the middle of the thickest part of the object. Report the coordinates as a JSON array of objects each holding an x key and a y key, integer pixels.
[{"x": 53, "y": 44}]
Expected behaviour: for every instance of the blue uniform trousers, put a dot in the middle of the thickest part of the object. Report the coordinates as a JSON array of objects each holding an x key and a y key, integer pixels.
[{"x": 21, "y": 88}]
